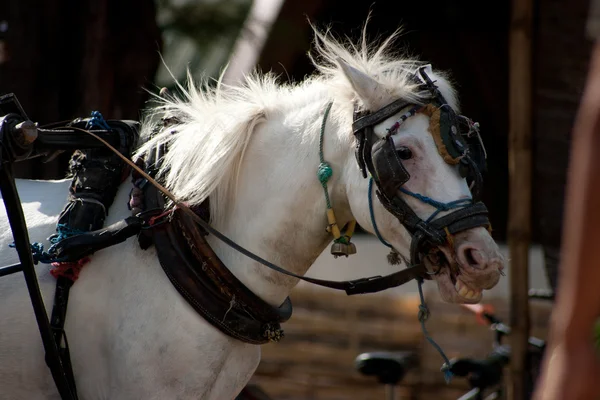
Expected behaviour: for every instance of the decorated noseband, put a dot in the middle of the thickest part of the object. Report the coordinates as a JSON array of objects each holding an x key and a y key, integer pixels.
[{"x": 458, "y": 142}]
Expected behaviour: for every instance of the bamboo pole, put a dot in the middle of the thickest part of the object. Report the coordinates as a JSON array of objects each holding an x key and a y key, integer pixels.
[
  {"x": 248, "y": 47},
  {"x": 519, "y": 161}
]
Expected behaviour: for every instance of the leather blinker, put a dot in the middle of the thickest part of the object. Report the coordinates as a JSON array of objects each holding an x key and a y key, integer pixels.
[{"x": 390, "y": 174}]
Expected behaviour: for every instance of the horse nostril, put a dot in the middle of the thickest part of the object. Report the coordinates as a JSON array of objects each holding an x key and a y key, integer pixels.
[{"x": 472, "y": 257}]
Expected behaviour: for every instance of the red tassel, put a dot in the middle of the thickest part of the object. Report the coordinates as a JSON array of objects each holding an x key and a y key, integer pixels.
[{"x": 69, "y": 270}]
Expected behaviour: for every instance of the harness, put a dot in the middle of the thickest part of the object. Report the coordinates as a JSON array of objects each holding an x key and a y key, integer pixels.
[
  {"x": 379, "y": 158},
  {"x": 179, "y": 232}
]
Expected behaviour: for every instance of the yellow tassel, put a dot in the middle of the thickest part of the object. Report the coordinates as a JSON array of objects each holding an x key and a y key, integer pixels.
[
  {"x": 350, "y": 229},
  {"x": 332, "y": 227}
]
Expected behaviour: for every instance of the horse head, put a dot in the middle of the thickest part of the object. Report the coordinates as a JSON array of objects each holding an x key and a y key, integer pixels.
[{"x": 424, "y": 163}]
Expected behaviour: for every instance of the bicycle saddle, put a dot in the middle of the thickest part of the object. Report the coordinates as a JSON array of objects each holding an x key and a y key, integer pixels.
[
  {"x": 483, "y": 373},
  {"x": 388, "y": 367}
]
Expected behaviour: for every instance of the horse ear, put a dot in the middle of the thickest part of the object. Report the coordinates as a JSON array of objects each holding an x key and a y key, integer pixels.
[{"x": 366, "y": 88}]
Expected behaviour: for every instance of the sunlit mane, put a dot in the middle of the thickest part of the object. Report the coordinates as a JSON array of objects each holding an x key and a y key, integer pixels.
[
  {"x": 379, "y": 60},
  {"x": 216, "y": 122}
]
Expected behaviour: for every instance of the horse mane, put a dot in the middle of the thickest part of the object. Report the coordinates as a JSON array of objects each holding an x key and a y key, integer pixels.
[
  {"x": 216, "y": 122},
  {"x": 382, "y": 60}
]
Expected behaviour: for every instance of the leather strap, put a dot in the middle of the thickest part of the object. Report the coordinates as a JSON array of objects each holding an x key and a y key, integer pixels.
[
  {"x": 362, "y": 285},
  {"x": 77, "y": 247},
  {"x": 72, "y": 139},
  {"x": 211, "y": 294},
  {"x": 220, "y": 274},
  {"x": 379, "y": 115},
  {"x": 465, "y": 218}
]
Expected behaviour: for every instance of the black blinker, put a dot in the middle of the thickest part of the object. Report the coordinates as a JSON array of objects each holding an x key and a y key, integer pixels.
[{"x": 390, "y": 174}]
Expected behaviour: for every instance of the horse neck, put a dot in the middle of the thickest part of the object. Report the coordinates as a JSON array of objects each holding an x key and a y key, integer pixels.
[{"x": 279, "y": 211}]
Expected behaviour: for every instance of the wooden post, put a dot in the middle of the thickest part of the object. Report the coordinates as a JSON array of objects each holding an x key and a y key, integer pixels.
[{"x": 519, "y": 161}]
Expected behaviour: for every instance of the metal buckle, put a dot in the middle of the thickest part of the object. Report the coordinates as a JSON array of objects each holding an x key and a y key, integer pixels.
[{"x": 474, "y": 131}]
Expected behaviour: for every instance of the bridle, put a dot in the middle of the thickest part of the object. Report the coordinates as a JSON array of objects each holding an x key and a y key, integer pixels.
[{"x": 378, "y": 158}]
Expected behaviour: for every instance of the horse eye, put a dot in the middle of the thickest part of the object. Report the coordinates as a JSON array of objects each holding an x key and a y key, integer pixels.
[{"x": 404, "y": 153}]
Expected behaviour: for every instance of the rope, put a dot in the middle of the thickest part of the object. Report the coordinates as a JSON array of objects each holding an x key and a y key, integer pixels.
[
  {"x": 423, "y": 309},
  {"x": 324, "y": 171},
  {"x": 38, "y": 254},
  {"x": 423, "y": 315},
  {"x": 437, "y": 204},
  {"x": 46, "y": 257},
  {"x": 63, "y": 232},
  {"x": 372, "y": 214}
]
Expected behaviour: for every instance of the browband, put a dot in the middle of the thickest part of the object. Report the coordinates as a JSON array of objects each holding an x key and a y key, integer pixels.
[{"x": 379, "y": 115}]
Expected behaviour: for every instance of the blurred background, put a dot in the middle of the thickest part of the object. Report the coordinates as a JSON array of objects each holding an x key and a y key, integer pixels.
[{"x": 65, "y": 58}]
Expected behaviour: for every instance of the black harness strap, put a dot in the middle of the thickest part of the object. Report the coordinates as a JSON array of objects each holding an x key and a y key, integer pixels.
[
  {"x": 363, "y": 285},
  {"x": 379, "y": 115},
  {"x": 74, "y": 248},
  {"x": 57, "y": 324}
]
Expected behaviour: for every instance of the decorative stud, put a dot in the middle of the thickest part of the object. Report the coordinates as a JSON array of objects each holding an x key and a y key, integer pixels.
[{"x": 273, "y": 333}]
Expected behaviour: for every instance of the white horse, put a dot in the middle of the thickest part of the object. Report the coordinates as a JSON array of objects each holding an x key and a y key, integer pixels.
[{"x": 253, "y": 150}]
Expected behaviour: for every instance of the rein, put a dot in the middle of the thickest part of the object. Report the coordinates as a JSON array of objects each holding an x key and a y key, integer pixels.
[{"x": 351, "y": 287}]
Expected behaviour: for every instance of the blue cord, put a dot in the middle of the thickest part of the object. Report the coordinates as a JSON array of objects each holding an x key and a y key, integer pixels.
[
  {"x": 39, "y": 255},
  {"x": 97, "y": 121},
  {"x": 423, "y": 315},
  {"x": 373, "y": 216},
  {"x": 427, "y": 200},
  {"x": 46, "y": 257},
  {"x": 423, "y": 309},
  {"x": 63, "y": 231},
  {"x": 437, "y": 204}
]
